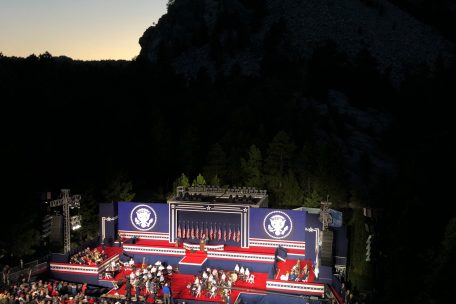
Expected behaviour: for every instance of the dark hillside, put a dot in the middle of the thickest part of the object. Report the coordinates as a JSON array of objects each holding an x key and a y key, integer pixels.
[{"x": 280, "y": 95}]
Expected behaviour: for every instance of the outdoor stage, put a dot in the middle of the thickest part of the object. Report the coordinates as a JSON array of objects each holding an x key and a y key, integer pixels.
[
  {"x": 188, "y": 263},
  {"x": 194, "y": 236},
  {"x": 179, "y": 285},
  {"x": 260, "y": 285}
]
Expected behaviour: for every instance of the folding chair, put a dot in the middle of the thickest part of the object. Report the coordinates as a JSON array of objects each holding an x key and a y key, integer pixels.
[{"x": 251, "y": 279}]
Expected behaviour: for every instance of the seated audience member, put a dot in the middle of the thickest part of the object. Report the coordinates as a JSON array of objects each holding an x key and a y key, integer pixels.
[
  {"x": 284, "y": 277},
  {"x": 292, "y": 276}
]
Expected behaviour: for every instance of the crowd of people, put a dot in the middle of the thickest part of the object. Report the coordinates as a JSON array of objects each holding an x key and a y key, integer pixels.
[
  {"x": 46, "y": 292},
  {"x": 149, "y": 280},
  {"x": 297, "y": 273},
  {"x": 212, "y": 282},
  {"x": 88, "y": 257}
]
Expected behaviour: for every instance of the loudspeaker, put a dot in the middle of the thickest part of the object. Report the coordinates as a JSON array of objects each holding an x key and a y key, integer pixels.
[
  {"x": 56, "y": 236},
  {"x": 326, "y": 253}
]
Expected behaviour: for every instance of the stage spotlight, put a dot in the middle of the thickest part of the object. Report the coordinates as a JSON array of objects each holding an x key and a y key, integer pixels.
[{"x": 75, "y": 222}]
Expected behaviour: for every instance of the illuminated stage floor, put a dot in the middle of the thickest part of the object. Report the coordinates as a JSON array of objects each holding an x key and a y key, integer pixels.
[{"x": 179, "y": 283}]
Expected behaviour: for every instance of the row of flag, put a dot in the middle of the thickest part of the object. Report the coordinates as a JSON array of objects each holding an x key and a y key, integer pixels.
[{"x": 211, "y": 232}]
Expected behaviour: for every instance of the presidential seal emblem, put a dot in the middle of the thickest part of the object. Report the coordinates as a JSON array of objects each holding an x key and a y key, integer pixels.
[
  {"x": 277, "y": 224},
  {"x": 143, "y": 217}
]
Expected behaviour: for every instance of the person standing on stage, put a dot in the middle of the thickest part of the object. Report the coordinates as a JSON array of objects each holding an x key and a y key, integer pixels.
[
  {"x": 226, "y": 294},
  {"x": 137, "y": 283},
  {"x": 166, "y": 294},
  {"x": 128, "y": 288},
  {"x": 203, "y": 241}
]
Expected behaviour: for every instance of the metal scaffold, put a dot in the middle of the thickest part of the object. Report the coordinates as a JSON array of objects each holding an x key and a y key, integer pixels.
[
  {"x": 67, "y": 202},
  {"x": 325, "y": 217}
]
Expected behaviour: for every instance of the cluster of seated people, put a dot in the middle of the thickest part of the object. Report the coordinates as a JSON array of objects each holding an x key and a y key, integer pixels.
[
  {"x": 297, "y": 274},
  {"x": 88, "y": 257},
  {"x": 243, "y": 274},
  {"x": 211, "y": 282},
  {"x": 114, "y": 268},
  {"x": 147, "y": 279}
]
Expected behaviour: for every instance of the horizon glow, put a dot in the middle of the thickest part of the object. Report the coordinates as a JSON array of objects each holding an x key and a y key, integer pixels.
[{"x": 80, "y": 29}]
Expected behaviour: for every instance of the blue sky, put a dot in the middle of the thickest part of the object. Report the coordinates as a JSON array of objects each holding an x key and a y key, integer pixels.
[{"x": 80, "y": 29}]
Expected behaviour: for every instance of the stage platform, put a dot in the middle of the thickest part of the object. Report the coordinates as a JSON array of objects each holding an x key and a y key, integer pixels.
[
  {"x": 269, "y": 242},
  {"x": 217, "y": 251},
  {"x": 82, "y": 272},
  {"x": 260, "y": 287},
  {"x": 188, "y": 263}
]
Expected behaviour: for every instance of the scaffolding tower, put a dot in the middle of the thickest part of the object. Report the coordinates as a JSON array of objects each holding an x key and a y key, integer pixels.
[
  {"x": 67, "y": 202},
  {"x": 325, "y": 217}
]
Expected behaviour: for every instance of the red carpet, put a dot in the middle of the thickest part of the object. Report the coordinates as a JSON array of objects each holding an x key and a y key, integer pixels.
[
  {"x": 179, "y": 281},
  {"x": 110, "y": 251},
  {"x": 194, "y": 258},
  {"x": 179, "y": 288}
]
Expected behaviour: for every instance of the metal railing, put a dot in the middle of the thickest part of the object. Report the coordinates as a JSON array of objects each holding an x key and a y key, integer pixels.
[{"x": 32, "y": 269}]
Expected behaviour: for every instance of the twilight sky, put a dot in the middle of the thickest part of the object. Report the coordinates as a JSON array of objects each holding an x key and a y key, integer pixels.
[{"x": 80, "y": 29}]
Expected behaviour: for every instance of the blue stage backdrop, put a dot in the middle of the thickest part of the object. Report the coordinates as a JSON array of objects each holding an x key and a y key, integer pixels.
[
  {"x": 143, "y": 217},
  {"x": 108, "y": 222},
  {"x": 313, "y": 229},
  {"x": 275, "y": 224}
]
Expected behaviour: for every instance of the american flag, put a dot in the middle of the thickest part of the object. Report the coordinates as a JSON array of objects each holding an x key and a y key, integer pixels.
[
  {"x": 219, "y": 234},
  {"x": 224, "y": 234},
  {"x": 197, "y": 230},
  {"x": 239, "y": 235},
  {"x": 211, "y": 235},
  {"x": 188, "y": 230},
  {"x": 229, "y": 233},
  {"x": 178, "y": 230},
  {"x": 207, "y": 231},
  {"x": 192, "y": 233}
]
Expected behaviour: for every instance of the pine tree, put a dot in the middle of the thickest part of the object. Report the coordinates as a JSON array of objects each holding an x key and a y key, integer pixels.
[
  {"x": 22, "y": 240},
  {"x": 216, "y": 163},
  {"x": 89, "y": 216},
  {"x": 215, "y": 181},
  {"x": 183, "y": 181},
  {"x": 119, "y": 190},
  {"x": 291, "y": 193},
  {"x": 199, "y": 180},
  {"x": 312, "y": 199},
  {"x": 280, "y": 155},
  {"x": 234, "y": 173},
  {"x": 253, "y": 168},
  {"x": 278, "y": 163}
]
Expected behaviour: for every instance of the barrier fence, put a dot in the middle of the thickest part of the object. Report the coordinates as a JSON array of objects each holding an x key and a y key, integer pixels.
[{"x": 33, "y": 268}]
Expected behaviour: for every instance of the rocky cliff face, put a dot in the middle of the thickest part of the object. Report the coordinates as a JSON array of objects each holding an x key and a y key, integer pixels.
[
  {"x": 248, "y": 37},
  {"x": 219, "y": 34}
]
